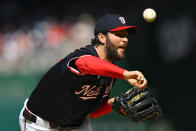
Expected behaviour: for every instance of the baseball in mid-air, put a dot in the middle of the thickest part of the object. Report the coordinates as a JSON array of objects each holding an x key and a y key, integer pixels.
[{"x": 149, "y": 15}]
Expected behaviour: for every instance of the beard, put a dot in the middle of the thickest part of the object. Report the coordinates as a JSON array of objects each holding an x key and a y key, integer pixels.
[{"x": 111, "y": 51}]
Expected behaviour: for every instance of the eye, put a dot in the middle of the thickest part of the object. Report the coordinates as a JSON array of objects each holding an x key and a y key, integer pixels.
[{"x": 121, "y": 34}]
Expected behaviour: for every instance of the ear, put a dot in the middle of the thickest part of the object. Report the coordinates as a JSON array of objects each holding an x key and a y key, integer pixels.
[{"x": 102, "y": 38}]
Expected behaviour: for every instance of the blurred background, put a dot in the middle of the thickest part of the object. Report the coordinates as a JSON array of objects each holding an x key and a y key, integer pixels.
[{"x": 35, "y": 34}]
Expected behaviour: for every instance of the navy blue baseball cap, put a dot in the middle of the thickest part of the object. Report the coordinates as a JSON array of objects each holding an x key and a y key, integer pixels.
[{"x": 112, "y": 22}]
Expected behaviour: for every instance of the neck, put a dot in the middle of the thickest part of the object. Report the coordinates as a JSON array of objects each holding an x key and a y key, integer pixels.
[{"x": 101, "y": 52}]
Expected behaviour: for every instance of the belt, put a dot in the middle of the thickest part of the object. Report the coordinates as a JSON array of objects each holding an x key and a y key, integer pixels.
[{"x": 31, "y": 117}]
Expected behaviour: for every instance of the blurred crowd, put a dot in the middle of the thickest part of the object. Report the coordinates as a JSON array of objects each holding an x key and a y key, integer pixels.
[{"x": 36, "y": 47}]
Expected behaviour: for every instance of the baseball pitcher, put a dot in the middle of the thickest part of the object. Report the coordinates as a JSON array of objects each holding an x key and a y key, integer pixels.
[{"x": 78, "y": 86}]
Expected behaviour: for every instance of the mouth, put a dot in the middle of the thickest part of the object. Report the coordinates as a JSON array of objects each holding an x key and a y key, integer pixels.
[
  {"x": 123, "y": 46},
  {"x": 121, "y": 49}
]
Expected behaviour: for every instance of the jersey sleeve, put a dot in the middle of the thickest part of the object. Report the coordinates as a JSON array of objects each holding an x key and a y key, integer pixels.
[
  {"x": 95, "y": 66},
  {"x": 72, "y": 57},
  {"x": 103, "y": 110}
]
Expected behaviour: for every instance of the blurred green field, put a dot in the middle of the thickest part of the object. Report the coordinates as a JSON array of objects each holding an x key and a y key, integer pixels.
[{"x": 14, "y": 88}]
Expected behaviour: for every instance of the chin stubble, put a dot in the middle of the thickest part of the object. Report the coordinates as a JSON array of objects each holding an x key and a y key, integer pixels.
[{"x": 111, "y": 51}]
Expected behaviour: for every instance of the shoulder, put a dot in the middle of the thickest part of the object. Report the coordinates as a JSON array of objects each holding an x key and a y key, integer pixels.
[{"x": 87, "y": 50}]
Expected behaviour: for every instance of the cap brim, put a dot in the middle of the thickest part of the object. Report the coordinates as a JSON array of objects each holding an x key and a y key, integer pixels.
[{"x": 131, "y": 29}]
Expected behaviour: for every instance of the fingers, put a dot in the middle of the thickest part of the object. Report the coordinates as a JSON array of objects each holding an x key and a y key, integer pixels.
[
  {"x": 142, "y": 84},
  {"x": 140, "y": 76},
  {"x": 139, "y": 80}
]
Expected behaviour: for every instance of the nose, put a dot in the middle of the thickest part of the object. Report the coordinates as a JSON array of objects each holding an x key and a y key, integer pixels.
[{"x": 125, "y": 39}]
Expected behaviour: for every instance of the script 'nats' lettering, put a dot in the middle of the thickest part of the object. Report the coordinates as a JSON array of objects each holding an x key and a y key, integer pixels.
[
  {"x": 108, "y": 89},
  {"x": 88, "y": 92}
]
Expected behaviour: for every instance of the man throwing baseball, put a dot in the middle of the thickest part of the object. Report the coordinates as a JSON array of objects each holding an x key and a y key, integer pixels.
[{"x": 79, "y": 85}]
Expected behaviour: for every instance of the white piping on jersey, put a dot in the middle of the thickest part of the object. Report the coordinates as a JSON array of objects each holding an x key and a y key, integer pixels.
[{"x": 73, "y": 69}]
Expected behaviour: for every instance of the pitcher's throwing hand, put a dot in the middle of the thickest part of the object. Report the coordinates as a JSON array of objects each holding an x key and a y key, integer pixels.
[{"x": 135, "y": 78}]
